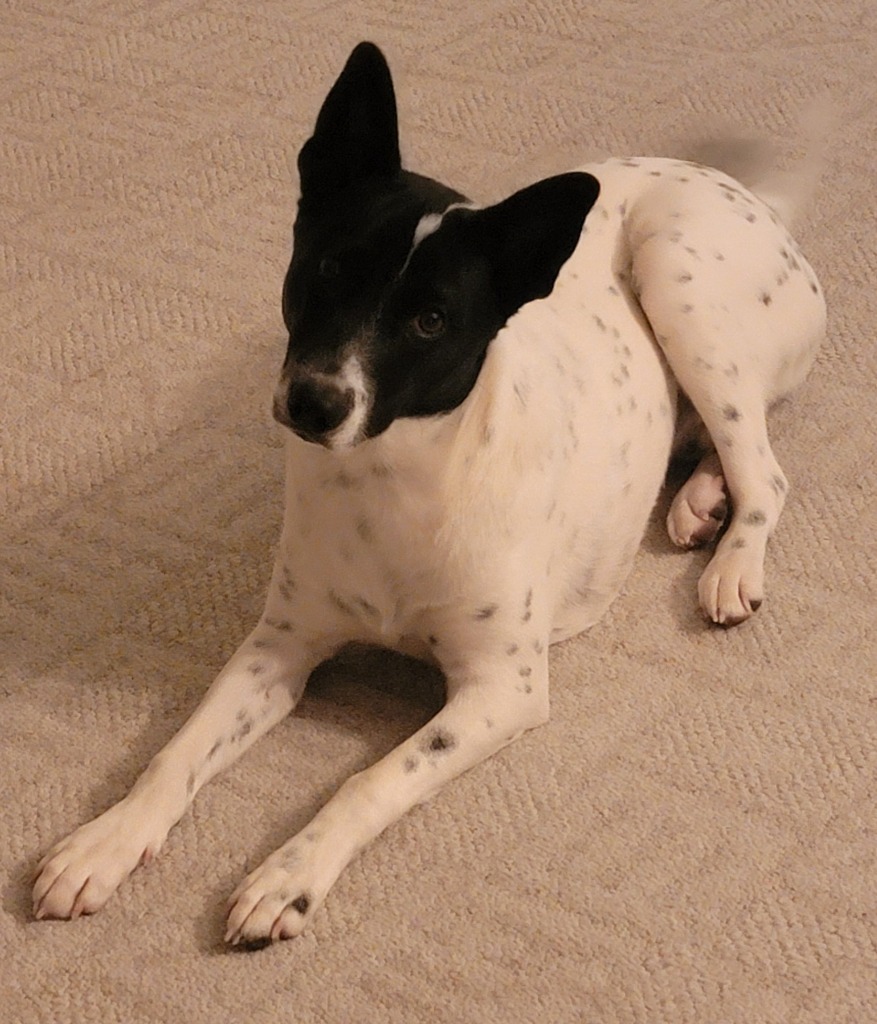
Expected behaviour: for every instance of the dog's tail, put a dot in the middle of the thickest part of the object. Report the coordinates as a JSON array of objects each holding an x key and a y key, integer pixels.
[{"x": 756, "y": 162}]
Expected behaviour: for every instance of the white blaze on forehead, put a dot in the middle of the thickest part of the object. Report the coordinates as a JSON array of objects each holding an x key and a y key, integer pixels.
[
  {"x": 426, "y": 226},
  {"x": 429, "y": 224},
  {"x": 352, "y": 378}
]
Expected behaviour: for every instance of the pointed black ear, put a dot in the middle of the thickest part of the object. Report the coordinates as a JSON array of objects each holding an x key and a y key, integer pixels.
[
  {"x": 356, "y": 135},
  {"x": 529, "y": 236}
]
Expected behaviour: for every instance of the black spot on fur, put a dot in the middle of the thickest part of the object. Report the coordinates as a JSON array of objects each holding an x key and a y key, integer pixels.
[
  {"x": 765, "y": 299},
  {"x": 732, "y": 413},
  {"x": 438, "y": 742},
  {"x": 411, "y": 764},
  {"x": 756, "y": 518},
  {"x": 338, "y": 602},
  {"x": 214, "y": 750},
  {"x": 367, "y": 607},
  {"x": 243, "y": 730},
  {"x": 346, "y": 481},
  {"x": 301, "y": 904},
  {"x": 487, "y": 612}
]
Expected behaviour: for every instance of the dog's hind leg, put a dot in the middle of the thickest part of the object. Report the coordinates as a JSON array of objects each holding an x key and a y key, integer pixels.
[
  {"x": 738, "y": 330},
  {"x": 732, "y": 586}
]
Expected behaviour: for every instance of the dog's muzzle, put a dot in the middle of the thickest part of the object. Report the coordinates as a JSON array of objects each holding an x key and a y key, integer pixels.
[{"x": 313, "y": 407}]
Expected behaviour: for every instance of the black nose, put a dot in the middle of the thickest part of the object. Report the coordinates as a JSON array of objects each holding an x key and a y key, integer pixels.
[{"x": 316, "y": 408}]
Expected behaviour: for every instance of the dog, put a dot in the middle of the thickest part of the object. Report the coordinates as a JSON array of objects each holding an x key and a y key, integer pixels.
[{"x": 480, "y": 405}]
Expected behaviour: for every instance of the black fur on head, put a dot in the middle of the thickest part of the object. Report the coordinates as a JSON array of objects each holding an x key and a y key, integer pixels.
[{"x": 384, "y": 324}]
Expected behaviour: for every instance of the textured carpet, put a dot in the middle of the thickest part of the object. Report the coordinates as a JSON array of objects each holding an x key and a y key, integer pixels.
[{"x": 692, "y": 837}]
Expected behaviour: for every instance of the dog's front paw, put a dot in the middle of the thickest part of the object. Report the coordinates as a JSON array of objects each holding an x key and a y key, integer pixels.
[
  {"x": 277, "y": 900},
  {"x": 80, "y": 873},
  {"x": 732, "y": 585}
]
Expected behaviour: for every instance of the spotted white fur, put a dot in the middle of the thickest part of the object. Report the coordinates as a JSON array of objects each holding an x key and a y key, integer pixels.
[{"x": 478, "y": 537}]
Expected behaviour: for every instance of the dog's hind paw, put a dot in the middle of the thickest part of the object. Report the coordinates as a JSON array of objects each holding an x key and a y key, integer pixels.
[
  {"x": 693, "y": 527},
  {"x": 700, "y": 506},
  {"x": 732, "y": 585}
]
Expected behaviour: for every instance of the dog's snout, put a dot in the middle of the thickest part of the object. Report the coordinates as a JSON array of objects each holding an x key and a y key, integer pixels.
[{"x": 314, "y": 408}]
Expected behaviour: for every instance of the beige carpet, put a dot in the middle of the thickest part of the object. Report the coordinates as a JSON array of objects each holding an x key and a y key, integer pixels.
[{"x": 692, "y": 837}]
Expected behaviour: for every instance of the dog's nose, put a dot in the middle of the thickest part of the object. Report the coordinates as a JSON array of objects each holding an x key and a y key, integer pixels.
[{"x": 315, "y": 408}]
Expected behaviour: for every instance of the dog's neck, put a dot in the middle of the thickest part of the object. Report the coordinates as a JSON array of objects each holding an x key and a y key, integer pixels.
[
  {"x": 453, "y": 468},
  {"x": 414, "y": 453}
]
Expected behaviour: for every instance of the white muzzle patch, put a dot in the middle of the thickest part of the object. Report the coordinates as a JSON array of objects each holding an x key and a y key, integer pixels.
[{"x": 351, "y": 377}]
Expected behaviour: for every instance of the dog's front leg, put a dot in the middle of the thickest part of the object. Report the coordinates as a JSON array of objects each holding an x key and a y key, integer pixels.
[
  {"x": 489, "y": 705},
  {"x": 259, "y": 686}
]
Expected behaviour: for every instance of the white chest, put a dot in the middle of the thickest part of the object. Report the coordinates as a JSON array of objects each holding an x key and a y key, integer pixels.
[{"x": 546, "y": 473}]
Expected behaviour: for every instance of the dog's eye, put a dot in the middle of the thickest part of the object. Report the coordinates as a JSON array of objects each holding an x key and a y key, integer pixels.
[
  {"x": 429, "y": 324},
  {"x": 329, "y": 268}
]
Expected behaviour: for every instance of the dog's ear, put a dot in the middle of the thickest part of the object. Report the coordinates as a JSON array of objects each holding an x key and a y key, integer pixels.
[
  {"x": 529, "y": 236},
  {"x": 357, "y": 134}
]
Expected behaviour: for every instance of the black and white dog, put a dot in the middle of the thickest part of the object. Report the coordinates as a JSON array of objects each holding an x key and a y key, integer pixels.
[{"x": 481, "y": 404}]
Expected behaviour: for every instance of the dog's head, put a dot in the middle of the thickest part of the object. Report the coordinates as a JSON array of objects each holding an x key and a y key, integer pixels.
[{"x": 397, "y": 285}]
